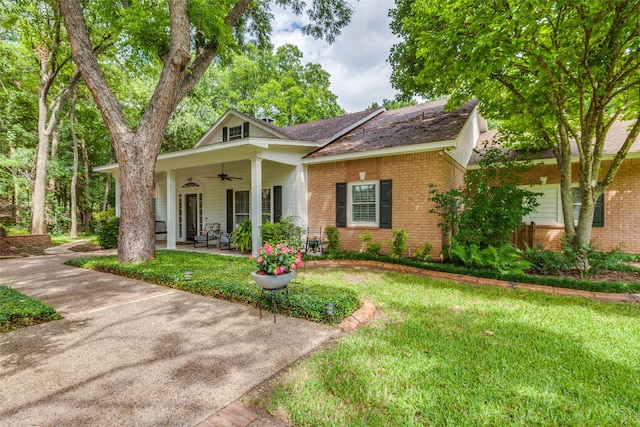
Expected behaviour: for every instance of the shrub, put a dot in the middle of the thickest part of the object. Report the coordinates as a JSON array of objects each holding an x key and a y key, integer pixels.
[
  {"x": 504, "y": 259},
  {"x": 369, "y": 246},
  {"x": 398, "y": 244},
  {"x": 546, "y": 262},
  {"x": 494, "y": 202},
  {"x": 423, "y": 254},
  {"x": 283, "y": 231},
  {"x": 333, "y": 240},
  {"x": 107, "y": 231}
]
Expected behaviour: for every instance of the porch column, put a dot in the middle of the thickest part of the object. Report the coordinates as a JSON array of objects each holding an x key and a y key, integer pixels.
[
  {"x": 256, "y": 204},
  {"x": 171, "y": 210},
  {"x": 117, "y": 184}
]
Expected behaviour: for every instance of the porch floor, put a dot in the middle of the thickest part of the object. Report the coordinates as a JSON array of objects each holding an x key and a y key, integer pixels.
[{"x": 188, "y": 246}]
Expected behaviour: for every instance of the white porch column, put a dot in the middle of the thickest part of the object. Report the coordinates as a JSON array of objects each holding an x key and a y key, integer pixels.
[
  {"x": 256, "y": 204},
  {"x": 172, "y": 222},
  {"x": 117, "y": 183}
]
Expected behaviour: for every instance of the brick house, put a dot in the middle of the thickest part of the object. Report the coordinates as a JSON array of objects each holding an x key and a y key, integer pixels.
[{"x": 365, "y": 172}]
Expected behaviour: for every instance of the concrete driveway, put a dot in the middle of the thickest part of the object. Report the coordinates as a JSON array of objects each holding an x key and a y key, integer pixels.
[{"x": 132, "y": 353}]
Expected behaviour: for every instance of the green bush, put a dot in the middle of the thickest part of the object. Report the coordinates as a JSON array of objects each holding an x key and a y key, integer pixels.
[
  {"x": 398, "y": 244},
  {"x": 284, "y": 231},
  {"x": 504, "y": 259},
  {"x": 107, "y": 231},
  {"x": 546, "y": 262},
  {"x": 423, "y": 254},
  {"x": 491, "y": 211},
  {"x": 370, "y": 247},
  {"x": 333, "y": 240}
]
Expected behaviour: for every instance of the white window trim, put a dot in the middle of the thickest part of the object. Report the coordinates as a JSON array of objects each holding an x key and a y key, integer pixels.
[{"x": 350, "y": 221}]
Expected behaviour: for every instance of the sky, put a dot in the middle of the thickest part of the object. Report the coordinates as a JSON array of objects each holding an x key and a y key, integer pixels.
[{"x": 358, "y": 61}]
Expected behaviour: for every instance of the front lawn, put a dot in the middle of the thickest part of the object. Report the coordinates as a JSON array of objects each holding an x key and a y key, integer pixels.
[
  {"x": 229, "y": 278},
  {"x": 443, "y": 353},
  {"x": 17, "y": 310}
]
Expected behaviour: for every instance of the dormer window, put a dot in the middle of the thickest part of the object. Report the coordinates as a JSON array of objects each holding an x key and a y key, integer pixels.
[{"x": 235, "y": 132}]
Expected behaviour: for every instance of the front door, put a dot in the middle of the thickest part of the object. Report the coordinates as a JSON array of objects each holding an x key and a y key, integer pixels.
[{"x": 192, "y": 215}]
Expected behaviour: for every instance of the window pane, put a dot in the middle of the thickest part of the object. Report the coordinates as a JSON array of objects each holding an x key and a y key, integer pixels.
[
  {"x": 242, "y": 206},
  {"x": 577, "y": 203},
  {"x": 235, "y": 132},
  {"x": 363, "y": 199},
  {"x": 266, "y": 205}
]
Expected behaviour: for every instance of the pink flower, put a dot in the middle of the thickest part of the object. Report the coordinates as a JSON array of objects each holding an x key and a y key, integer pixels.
[
  {"x": 437, "y": 205},
  {"x": 293, "y": 266},
  {"x": 260, "y": 259}
]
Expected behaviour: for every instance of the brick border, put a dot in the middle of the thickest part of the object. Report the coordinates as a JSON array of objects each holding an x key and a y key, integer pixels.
[{"x": 602, "y": 296}]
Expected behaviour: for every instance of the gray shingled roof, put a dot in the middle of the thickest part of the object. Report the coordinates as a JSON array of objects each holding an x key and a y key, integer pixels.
[
  {"x": 417, "y": 124},
  {"x": 615, "y": 138},
  {"x": 321, "y": 130}
]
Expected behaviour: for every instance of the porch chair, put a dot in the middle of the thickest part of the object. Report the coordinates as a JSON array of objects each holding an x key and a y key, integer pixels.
[
  {"x": 211, "y": 233},
  {"x": 315, "y": 242},
  {"x": 225, "y": 241}
]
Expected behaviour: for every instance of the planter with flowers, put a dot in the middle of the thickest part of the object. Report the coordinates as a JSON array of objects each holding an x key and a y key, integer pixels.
[{"x": 276, "y": 265}]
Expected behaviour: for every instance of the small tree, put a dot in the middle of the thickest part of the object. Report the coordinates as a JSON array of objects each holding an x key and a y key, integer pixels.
[{"x": 490, "y": 205}]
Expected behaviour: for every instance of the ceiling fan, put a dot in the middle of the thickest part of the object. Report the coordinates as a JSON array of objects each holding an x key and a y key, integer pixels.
[{"x": 223, "y": 176}]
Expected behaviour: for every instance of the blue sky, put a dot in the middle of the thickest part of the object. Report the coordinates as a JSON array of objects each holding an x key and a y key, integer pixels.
[{"x": 357, "y": 60}]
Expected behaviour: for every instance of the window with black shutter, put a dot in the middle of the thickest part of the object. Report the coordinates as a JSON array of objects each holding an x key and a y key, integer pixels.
[
  {"x": 341, "y": 204},
  {"x": 225, "y": 134},
  {"x": 385, "y": 203}
]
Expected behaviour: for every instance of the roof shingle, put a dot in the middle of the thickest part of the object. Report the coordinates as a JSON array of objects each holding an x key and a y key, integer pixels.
[{"x": 417, "y": 124}]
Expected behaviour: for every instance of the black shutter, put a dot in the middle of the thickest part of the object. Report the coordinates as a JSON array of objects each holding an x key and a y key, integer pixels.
[
  {"x": 225, "y": 134},
  {"x": 385, "y": 203},
  {"x": 229, "y": 211},
  {"x": 598, "y": 212},
  {"x": 277, "y": 203},
  {"x": 341, "y": 204},
  {"x": 245, "y": 131}
]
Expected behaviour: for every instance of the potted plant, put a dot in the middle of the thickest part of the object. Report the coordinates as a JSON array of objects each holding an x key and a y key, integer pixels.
[
  {"x": 276, "y": 265},
  {"x": 241, "y": 236}
]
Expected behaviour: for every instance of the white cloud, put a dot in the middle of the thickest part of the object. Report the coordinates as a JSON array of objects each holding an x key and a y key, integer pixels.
[{"x": 357, "y": 60}]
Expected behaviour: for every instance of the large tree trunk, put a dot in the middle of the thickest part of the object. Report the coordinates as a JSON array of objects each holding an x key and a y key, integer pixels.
[
  {"x": 137, "y": 150},
  {"x": 86, "y": 188},
  {"x": 136, "y": 238},
  {"x": 46, "y": 125},
  {"x": 74, "y": 173}
]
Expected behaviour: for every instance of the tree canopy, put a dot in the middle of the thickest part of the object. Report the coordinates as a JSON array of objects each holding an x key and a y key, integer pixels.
[
  {"x": 258, "y": 82},
  {"x": 551, "y": 71},
  {"x": 183, "y": 37}
]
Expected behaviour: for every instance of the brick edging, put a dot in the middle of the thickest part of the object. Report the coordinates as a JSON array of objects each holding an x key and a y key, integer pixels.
[{"x": 602, "y": 296}]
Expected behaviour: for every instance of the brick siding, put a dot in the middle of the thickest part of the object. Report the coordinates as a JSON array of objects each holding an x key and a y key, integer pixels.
[
  {"x": 411, "y": 175},
  {"x": 621, "y": 206}
]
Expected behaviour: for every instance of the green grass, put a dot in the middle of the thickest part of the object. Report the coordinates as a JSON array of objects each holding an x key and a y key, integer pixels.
[
  {"x": 228, "y": 278},
  {"x": 17, "y": 310},
  {"x": 65, "y": 238},
  {"x": 560, "y": 282},
  {"x": 441, "y": 353}
]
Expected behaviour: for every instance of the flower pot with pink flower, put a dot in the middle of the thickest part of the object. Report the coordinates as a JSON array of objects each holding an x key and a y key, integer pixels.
[{"x": 276, "y": 265}]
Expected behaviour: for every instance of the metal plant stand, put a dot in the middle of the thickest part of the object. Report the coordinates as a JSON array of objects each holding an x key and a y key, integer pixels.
[{"x": 274, "y": 304}]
